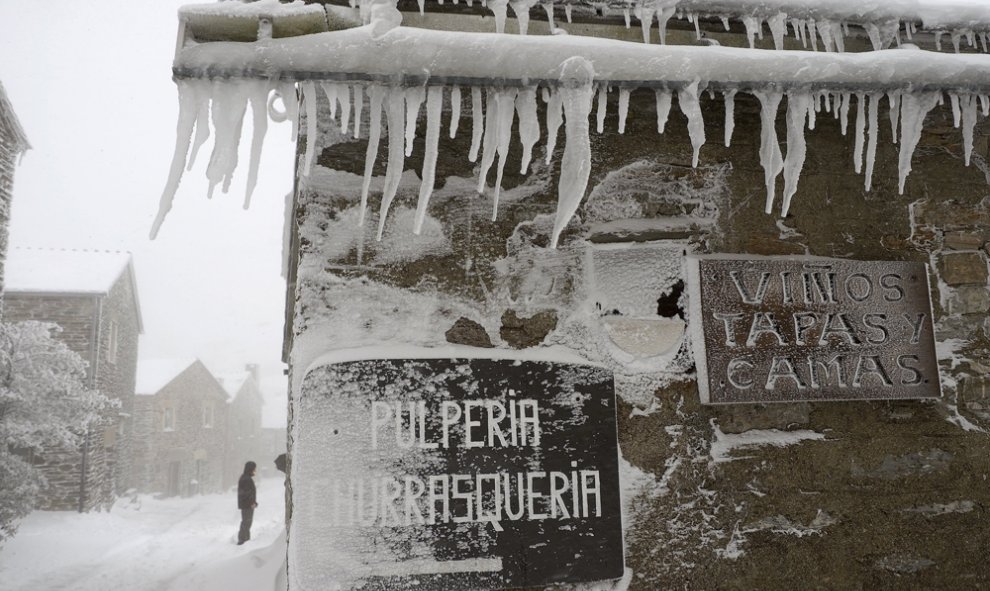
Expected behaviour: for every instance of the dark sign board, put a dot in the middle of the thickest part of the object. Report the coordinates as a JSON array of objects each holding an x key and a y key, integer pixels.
[
  {"x": 781, "y": 329},
  {"x": 453, "y": 474}
]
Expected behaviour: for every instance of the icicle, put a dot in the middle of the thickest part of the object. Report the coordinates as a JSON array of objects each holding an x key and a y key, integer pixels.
[
  {"x": 490, "y": 141},
  {"x": 956, "y": 37},
  {"x": 309, "y": 100},
  {"x": 697, "y": 28},
  {"x": 968, "y": 122},
  {"x": 623, "y": 108},
  {"x": 914, "y": 107},
  {"x": 188, "y": 109},
  {"x": 259, "y": 111},
  {"x": 396, "y": 115},
  {"x": 529, "y": 124},
  {"x": 730, "y": 121},
  {"x": 845, "y": 98},
  {"x": 414, "y": 99},
  {"x": 907, "y": 29},
  {"x": 752, "y": 24},
  {"x": 954, "y": 101},
  {"x": 810, "y": 34},
  {"x": 422, "y": 6},
  {"x": 798, "y": 26},
  {"x": 971, "y": 38},
  {"x": 826, "y": 100},
  {"x": 837, "y": 38},
  {"x": 687, "y": 99},
  {"x": 498, "y": 8},
  {"x": 778, "y": 28},
  {"x": 860, "y": 127},
  {"x": 938, "y": 40},
  {"x": 663, "y": 109},
  {"x": 545, "y": 93},
  {"x": 555, "y": 116},
  {"x": 434, "y": 105},
  {"x": 358, "y": 107},
  {"x": 331, "y": 91},
  {"x": 506, "y": 113},
  {"x": 625, "y": 15},
  {"x": 477, "y": 123},
  {"x": 645, "y": 15},
  {"x": 770, "y": 157},
  {"x": 521, "y": 9},
  {"x": 567, "y": 12},
  {"x": 548, "y": 7},
  {"x": 344, "y": 96},
  {"x": 374, "y": 137},
  {"x": 455, "y": 110},
  {"x": 725, "y": 23},
  {"x": 894, "y": 100},
  {"x": 983, "y": 42},
  {"x": 985, "y": 104},
  {"x": 871, "y": 148},
  {"x": 874, "y": 32},
  {"x": 200, "y": 90},
  {"x": 576, "y": 89},
  {"x": 798, "y": 106},
  {"x": 602, "y": 106},
  {"x": 663, "y": 17},
  {"x": 812, "y": 114},
  {"x": 825, "y": 32},
  {"x": 228, "y": 110}
]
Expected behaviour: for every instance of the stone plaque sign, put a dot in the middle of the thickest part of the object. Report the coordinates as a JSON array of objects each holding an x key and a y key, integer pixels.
[
  {"x": 781, "y": 329},
  {"x": 450, "y": 474}
]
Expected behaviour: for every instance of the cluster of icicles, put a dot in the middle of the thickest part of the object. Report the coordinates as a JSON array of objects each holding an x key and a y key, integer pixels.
[
  {"x": 832, "y": 33},
  {"x": 493, "y": 111}
]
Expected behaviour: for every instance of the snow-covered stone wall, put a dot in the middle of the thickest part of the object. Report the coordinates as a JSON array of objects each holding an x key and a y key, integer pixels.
[{"x": 876, "y": 493}]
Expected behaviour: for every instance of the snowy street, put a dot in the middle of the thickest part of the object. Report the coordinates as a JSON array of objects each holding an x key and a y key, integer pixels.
[{"x": 185, "y": 544}]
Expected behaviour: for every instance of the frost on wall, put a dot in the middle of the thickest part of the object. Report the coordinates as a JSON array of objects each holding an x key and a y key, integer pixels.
[{"x": 565, "y": 74}]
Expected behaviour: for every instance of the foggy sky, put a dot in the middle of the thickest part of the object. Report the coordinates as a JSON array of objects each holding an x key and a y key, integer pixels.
[{"x": 91, "y": 84}]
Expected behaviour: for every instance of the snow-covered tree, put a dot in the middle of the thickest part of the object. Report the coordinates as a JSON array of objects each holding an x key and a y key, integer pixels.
[{"x": 44, "y": 404}]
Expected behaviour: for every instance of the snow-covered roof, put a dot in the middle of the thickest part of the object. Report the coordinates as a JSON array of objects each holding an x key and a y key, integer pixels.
[
  {"x": 155, "y": 374},
  {"x": 10, "y": 126},
  {"x": 260, "y": 8},
  {"x": 45, "y": 270}
]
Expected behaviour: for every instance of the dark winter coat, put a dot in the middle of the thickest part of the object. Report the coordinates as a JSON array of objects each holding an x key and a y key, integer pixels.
[{"x": 246, "y": 493}]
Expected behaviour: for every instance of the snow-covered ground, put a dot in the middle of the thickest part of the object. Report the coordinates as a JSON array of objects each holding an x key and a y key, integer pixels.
[{"x": 150, "y": 545}]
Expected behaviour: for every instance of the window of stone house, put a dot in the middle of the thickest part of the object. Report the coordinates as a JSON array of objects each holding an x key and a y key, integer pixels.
[
  {"x": 112, "y": 342},
  {"x": 207, "y": 415},
  {"x": 169, "y": 419}
]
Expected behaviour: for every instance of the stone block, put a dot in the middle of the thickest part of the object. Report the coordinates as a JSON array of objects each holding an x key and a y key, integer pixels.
[
  {"x": 964, "y": 268},
  {"x": 468, "y": 332},
  {"x": 959, "y": 240},
  {"x": 975, "y": 389},
  {"x": 521, "y": 333},
  {"x": 969, "y": 299}
]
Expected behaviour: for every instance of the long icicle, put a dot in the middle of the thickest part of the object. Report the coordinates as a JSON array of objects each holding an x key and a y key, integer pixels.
[
  {"x": 577, "y": 90},
  {"x": 968, "y": 122},
  {"x": 374, "y": 137},
  {"x": 259, "y": 112},
  {"x": 506, "y": 113},
  {"x": 414, "y": 100},
  {"x": 490, "y": 141},
  {"x": 663, "y": 109},
  {"x": 529, "y": 124},
  {"x": 770, "y": 157},
  {"x": 188, "y": 112},
  {"x": 201, "y": 92},
  {"x": 894, "y": 99},
  {"x": 914, "y": 107},
  {"x": 434, "y": 106},
  {"x": 860, "y": 127},
  {"x": 358, "y": 107},
  {"x": 798, "y": 106},
  {"x": 478, "y": 123},
  {"x": 396, "y": 114},
  {"x": 874, "y": 128},
  {"x": 687, "y": 99},
  {"x": 602, "y": 107},
  {"x": 730, "y": 109},
  {"x": 455, "y": 110},
  {"x": 309, "y": 101},
  {"x": 623, "y": 108}
]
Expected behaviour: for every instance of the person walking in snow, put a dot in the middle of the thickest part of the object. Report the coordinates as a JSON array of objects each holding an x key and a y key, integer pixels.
[{"x": 246, "y": 501}]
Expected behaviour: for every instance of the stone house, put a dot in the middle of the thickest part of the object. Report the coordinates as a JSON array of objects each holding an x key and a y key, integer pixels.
[
  {"x": 584, "y": 254},
  {"x": 92, "y": 296},
  {"x": 180, "y": 423},
  {"x": 245, "y": 440},
  {"x": 13, "y": 144}
]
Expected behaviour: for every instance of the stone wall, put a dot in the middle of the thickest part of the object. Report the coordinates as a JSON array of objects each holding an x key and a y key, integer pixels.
[{"x": 793, "y": 495}]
